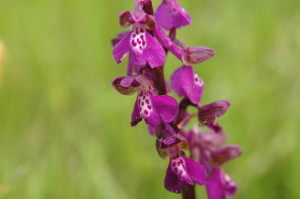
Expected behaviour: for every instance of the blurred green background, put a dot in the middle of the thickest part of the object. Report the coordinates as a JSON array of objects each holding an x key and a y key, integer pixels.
[{"x": 65, "y": 132}]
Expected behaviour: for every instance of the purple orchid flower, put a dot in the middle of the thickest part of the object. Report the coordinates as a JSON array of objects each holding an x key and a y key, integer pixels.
[
  {"x": 169, "y": 14},
  {"x": 181, "y": 170},
  {"x": 152, "y": 108},
  {"x": 207, "y": 145},
  {"x": 187, "y": 83},
  {"x": 138, "y": 43}
]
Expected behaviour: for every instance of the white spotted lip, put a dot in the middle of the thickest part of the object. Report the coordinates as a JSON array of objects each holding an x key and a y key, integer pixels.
[{"x": 145, "y": 104}]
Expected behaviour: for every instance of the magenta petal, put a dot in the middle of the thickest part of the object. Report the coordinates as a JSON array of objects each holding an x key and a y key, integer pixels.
[
  {"x": 119, "y": 37},
  {"x": 129, "y": 68},
  {"x": 172, "y": 182},
  {"x": 170, "y": 14},
  {"x": 214, "y": 185},
  {"x": 138, "y": 16},
  {"x": 153, "y": 119},
  {"x": 195, "y": 92},
  {"x": 182, "y": 17},
  {"x": 186, "y": 82},
  {"x": 135, "y": 117},
  {"x": 176, "y": 81},
  {"x": 151, "y": 130},
  {"x": 196, "y": 171},
  {"x": 166, "y": 106},
  {"x": 187, "y": 78},
  {"x": 163, "y": 15},
  {"x": 192, "y": 84},
  {"x": 228, "y": 185},
  {"x": 223, "y": 155},
  {"x": 146, "y": 108},
  {"x": 137, "y": 59},
  {"x": 122, "y": 49},
  {"x": 154, "y": 53}
]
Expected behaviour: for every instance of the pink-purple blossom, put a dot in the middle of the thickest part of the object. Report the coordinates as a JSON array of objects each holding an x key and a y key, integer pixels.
[
  {"x": 181, "y": 170},
  {"x": 154, "y": 109},
  {"x": 186, "y": 83},
  {"x": 139, "y": 43}
]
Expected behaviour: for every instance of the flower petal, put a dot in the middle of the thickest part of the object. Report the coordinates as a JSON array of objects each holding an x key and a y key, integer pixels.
[
  {"x": 223, "y": 155},
  {"x": 146, "y": 108},
  {"x": 195, "y": 170},
  {"x": 182, "y": 17},
  {"x": 228, "y": 185},
  {"x": 151, "y": 130},
  {"x": 208, "y": 113},
  {"x": 137, "y": 59},
  {"x": 166, "y": 106},
  {"x": 186, "y": 82},
  {"x": 124, "y": 18},
  {"x": 170, "y": 14},
  {"x": 130, "y": 68},
  {"x": 135, "y": 117},
  {"x": 153, "y": 119},
  {"x": 176, "y": 81},
  {"x": 154, "y": 53},
  {"x": 138, "y": 16},
  {"x": 119, "y": 37},
  {"x": 214, "y": 185},
  {"x": 192, "y": 84},
  {"x": 122, "y": 49},
  {"x": 172, "y": 182},
  {"x": 197, "y": 55},
  {"x": 124, "y": 90},
  {"x": 163, "y": 16}
]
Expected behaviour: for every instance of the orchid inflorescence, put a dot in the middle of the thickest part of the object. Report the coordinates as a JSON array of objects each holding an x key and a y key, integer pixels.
[{"x": 166, "y": 119}]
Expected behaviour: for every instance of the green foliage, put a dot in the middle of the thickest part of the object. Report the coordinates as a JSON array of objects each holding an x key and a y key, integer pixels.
[{"x": 65, "y": 132}]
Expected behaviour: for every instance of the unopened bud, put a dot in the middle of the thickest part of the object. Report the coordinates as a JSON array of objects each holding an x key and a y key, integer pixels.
[{"x": 197, "y": 55}]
